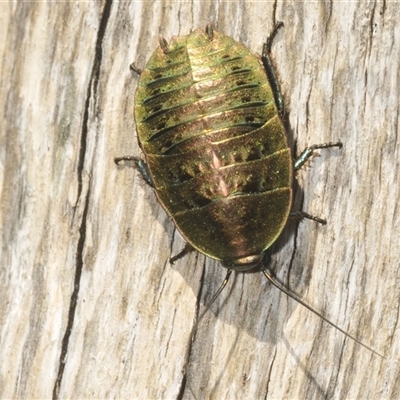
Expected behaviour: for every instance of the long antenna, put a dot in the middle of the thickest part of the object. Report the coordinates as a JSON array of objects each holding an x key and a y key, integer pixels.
[
  {"x": 196, "y": 324},
  {"x": 294, "y": 297},
  {"x": 217, "y": 293}
]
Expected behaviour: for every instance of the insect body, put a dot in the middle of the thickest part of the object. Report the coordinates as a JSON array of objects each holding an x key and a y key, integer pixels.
[
  {"x": 209, "y": 120},
  {"x": 215, "y": 146}
]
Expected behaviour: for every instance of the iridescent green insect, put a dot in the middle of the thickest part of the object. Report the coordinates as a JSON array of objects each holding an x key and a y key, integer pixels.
[{"x": 209, "y": 120}]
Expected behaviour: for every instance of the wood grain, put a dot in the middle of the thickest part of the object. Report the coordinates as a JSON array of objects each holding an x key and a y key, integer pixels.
[{"x": 91, "y": 308}]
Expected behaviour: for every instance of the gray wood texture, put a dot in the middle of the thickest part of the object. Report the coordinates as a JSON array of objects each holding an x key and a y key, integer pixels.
[{"x": 91, "y": 308}]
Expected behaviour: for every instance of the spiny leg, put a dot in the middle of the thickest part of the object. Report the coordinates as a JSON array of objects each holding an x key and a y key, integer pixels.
[
  {"x": 302, "y": 214},
  {"x": 308, "y": 152},
  {"x": 209, "y": 32},
  {"x": 269, "y": 69},
  {"x": 140, "y": 165},
  {"x": 134, "y": 68},
  {"x": 186, "y": 250},
  {"x": 164, "y": 45},
  {"x": 305, "y": 155}
]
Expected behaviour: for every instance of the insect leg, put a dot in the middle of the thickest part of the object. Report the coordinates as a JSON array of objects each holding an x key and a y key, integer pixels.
[
  {"x": 134, "y": 68},
  {"x": 269, "y": 69},
  {"x": 186, "y": 250},
  {"x": 302, "y": 214},
  {"x": 308, "y": 152},
  {"x": 305, "y": 155},
  {"x": 140, "y": 165}
]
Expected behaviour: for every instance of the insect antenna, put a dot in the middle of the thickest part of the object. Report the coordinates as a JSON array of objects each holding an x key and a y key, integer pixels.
[
  {"x": 194, "y": 330},
  {"x": 294, "y": 297},
  {"x": 187, "y": 249},
  {"x": 217, "y": 293}
]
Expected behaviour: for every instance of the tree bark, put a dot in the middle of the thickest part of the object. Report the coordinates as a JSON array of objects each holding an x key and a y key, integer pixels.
[{"x": 91, "y": 307}]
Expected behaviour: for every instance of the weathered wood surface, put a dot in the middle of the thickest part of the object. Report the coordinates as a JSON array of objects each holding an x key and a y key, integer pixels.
[{"x": 91, "y": 308}]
